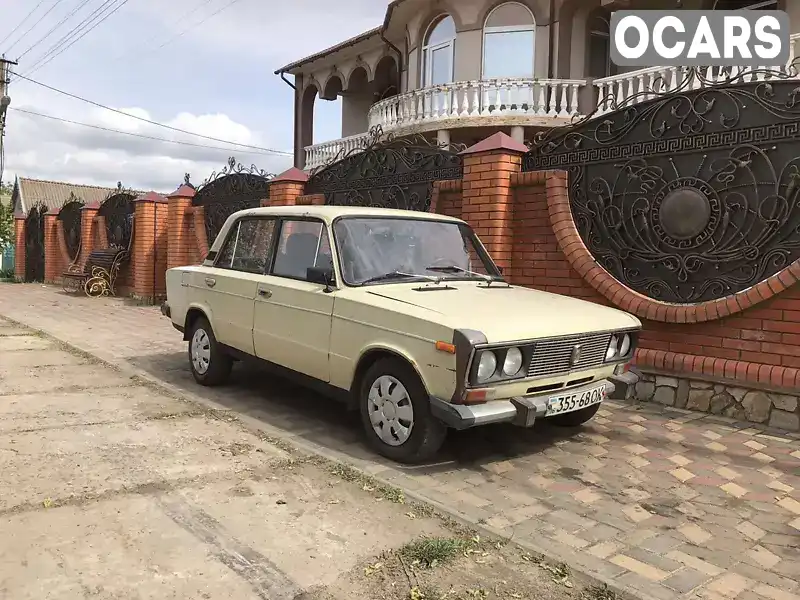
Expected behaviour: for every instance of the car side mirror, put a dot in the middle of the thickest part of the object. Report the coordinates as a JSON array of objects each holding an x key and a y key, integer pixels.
[{"x": 321, "y": 275}]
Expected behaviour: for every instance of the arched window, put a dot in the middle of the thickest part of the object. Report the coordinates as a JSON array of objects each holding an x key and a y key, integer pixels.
[
  {"x": 438, "y": 53},
  {"x": 509, "y": 35}
]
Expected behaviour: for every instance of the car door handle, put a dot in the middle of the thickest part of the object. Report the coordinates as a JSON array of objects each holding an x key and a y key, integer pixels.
[
  {"x": 265, "y": 293},
  {"x": 211, "y": 282}
]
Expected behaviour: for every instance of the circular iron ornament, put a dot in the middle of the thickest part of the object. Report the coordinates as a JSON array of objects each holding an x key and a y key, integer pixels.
[
  {"x": 685, "y": 213},
  {"x": 688, "y": 196}
]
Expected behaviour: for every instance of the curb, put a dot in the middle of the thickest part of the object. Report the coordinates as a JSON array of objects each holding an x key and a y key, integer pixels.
[{"x": 623, "y": 592}]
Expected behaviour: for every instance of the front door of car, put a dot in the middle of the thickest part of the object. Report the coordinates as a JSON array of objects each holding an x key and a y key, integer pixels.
[
  {"x": 232, "y": 283},
  {"x": 292, "y": 324}
]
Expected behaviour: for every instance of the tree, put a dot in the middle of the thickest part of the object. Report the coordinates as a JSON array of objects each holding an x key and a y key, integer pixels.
[{"x": 6, "y": 215}]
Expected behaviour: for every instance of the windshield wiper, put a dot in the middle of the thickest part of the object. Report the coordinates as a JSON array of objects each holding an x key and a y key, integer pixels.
[
  {"x": 456, "y": 269},
  {"x": 400, "y": 275}
]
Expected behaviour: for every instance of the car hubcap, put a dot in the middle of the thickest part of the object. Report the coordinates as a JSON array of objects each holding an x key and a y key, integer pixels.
[
  {"x": 390, "y": 410},
  {"x": 200, "y": 350}
]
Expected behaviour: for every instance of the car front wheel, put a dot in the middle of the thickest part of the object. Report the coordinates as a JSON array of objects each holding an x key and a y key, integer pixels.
[
  {"x": 209, "y": 363},
  {"x": 575, "y": 418},
  {"x": 395, "y": 411}
]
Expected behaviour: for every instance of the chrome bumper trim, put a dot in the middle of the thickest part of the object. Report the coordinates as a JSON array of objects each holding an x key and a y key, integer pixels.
[{"x": 521, "y": 411}]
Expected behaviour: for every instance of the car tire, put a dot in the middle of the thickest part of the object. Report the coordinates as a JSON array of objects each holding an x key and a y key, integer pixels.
[
  {"x": 209, "y": 362},
  {"x": 575, "y": 418},
  {"x": 392, "y": 394}
]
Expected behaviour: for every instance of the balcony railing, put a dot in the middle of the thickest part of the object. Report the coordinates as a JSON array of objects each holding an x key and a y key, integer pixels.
[
  {"x": 319, "y": 154},
  {"x": 492, "y": 98},
  {"x": 642, "y": 85}
]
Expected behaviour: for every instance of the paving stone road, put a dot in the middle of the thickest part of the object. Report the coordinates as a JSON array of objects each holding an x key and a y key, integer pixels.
[{"x": 666, "y": 503}]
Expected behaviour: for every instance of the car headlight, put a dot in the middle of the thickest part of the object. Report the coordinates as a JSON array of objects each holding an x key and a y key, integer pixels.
[
  {"x": 513, "y": 362},
  {"x": 487, "y": 365},
  {"x": 613, "y": 348},
  {"x": 625, "y": 345}
]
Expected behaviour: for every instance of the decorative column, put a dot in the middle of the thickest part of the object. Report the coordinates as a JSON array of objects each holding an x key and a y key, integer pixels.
[
  {"x": 183, "y": 241},
  {"x": 487, "y": 198},
  {"x": 19, "y": 248},
  {"x": 287, "y": 187},
  {"x": 53, "y": 266},
  {"x": 148, "y": 261}
]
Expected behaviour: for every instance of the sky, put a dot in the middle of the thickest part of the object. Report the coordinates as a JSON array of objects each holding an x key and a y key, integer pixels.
[{"x": 213, "y": 76}]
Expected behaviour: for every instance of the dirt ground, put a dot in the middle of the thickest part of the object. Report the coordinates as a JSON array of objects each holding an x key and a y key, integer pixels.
[{"x": 111, "y": 488}]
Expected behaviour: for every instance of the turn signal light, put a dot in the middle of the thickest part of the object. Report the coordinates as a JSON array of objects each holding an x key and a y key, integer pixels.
[
  {"x": 446, "y": 347},
  {"x": 476, "y": 397}
]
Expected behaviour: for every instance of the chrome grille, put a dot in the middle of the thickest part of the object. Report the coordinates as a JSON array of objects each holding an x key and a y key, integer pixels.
[{"x": 552, "y": 357}]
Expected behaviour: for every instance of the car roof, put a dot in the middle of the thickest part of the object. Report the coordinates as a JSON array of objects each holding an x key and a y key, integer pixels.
[{"x": 329, "y": 213}]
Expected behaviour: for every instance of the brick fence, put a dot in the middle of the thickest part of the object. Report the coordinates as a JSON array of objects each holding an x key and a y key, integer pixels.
[{"x": 738, "y": 356}]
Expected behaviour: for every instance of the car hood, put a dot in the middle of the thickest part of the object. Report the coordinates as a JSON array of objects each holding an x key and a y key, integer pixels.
[{"x": 505, "y": 314}]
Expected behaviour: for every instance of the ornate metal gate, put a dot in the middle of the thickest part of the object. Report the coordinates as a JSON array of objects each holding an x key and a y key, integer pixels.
[
  {"x": 233, "y": 188},
  {"x": 34, "y": 243},
  {"x": 70, "y": 217},
  {"x": 388, "y": 173},
  {"x": 117, "y": 210},
  {"x": 688, "y": 196}
]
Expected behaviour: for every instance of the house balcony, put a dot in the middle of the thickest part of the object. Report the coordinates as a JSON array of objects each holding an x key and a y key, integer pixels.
[{"x": 493, "y": 103}]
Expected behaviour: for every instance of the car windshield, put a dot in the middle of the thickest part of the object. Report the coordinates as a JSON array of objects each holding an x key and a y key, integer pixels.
[{"x": 373, "y": 250}]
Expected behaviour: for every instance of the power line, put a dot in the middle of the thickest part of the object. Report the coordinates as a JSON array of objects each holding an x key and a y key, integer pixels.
[
  {"x": 138, "y": 118},
  {"x": 27, "y": 31},
  {"x": 188, "y": 13},
  {"x": 129, "y": 133},
  {"x": 56, "y": 26},
  {"x": 214, "y": 14},
  {"x": 21, "y": 23},
  {"x": 65, "y": 46}
]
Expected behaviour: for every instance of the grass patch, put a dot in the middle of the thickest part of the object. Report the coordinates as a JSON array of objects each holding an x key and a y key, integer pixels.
[{"x": 432, "y": 551}]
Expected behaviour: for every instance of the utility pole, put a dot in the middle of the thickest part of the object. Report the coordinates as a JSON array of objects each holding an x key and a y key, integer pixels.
[{"x": 5, "y": 100}]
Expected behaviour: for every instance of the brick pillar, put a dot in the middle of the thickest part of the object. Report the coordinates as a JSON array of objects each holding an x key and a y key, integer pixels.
[
  {"x": 88, "y": 214},
  {"x": 19, "y": 248},
  {"x": 287, "y": 187},
  {"x": 488, "y": 197},
  {"x": 200, "y": 234},
  {"x": 181, "y": 238},
  {"x": 52, "y": 251},
  {"x": 149, "y": 255}
]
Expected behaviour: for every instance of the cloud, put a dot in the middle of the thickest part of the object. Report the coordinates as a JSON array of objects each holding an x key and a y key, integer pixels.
[
  {"x": 214, "y": 78},
  {"x": 45, "y": 148}
]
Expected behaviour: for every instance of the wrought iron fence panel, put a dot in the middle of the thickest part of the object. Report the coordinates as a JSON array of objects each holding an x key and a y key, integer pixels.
[
  {"x": 34, "y": 243},
  {"x": 71, "y": 218},
  {"x": 117, "y": 210},
  {"x": 687, "y": 196},
  {"x": 388, "y": 173},
  {"x": 229, "y": 190}
]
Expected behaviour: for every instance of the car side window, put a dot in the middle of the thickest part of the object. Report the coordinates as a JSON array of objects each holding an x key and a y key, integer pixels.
[
  {"x": 302, "y": 244},
  {"x": 248, "y": 245}
]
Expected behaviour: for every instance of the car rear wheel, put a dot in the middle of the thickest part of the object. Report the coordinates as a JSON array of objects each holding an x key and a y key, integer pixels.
[
  {"x": 396, "y": 414},
  {"x": 575, "y": 418},
  {"x": 208, "y": 360}
]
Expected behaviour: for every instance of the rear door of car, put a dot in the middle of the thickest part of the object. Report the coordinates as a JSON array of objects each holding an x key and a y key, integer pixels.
[{"x": 232, "y": 283}]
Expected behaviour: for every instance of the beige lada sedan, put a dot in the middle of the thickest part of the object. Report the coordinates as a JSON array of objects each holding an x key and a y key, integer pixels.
[{"x": 402, "y": 315}]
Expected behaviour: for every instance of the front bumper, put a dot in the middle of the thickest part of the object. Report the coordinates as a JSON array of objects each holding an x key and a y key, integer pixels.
[{"x": 521, "y": 411}]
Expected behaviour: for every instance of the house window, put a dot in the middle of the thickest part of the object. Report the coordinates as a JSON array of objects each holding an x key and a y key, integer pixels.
[
  {"x": 438, "y": 53},
  {"x": 509, "y": 35}
]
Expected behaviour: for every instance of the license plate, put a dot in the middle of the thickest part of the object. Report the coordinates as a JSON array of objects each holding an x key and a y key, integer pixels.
[{"x": 557, "y": 405}]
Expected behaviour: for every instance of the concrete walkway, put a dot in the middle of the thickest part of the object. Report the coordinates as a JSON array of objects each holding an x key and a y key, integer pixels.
[{"x": 663, "y": 503}]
